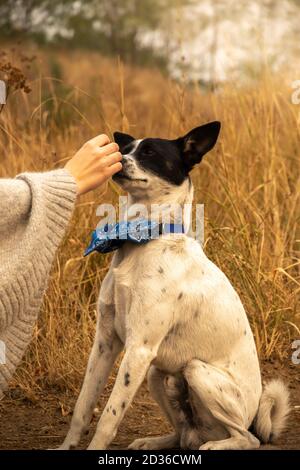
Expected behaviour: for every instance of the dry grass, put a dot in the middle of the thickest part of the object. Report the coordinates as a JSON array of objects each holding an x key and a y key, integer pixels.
[{"x": 250, "y": 186}]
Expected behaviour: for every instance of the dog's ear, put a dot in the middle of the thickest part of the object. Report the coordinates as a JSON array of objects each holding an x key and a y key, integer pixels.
[
  {"x": 196, "y": 143},
  {"x": 122, "y": 139}
]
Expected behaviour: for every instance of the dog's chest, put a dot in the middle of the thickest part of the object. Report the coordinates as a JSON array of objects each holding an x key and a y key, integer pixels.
[
  {"x": 139, "y": 280},
  {"x": 150, "y": 288}
]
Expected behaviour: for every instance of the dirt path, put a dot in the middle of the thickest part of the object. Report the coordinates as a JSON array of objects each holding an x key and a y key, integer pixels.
[{"x": 41, "y": 422}]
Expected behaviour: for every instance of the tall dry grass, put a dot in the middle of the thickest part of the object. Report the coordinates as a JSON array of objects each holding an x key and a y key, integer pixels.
[{"x": 250, "y": 185}]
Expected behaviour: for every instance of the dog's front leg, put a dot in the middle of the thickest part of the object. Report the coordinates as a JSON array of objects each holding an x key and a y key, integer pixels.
[
  {"x": 133, "y": 369},
  {"x": 104, "y": 352}
]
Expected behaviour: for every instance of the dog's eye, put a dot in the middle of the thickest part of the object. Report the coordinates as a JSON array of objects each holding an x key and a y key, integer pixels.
[{"x": 148, "y": 152}]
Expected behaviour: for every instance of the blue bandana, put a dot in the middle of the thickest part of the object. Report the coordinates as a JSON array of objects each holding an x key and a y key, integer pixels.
[{"x": 110, "y": 237}]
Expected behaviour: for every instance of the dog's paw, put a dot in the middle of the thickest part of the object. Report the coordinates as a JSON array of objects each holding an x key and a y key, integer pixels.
[
  {"x": 154, "y": 443},
  {"x": 64, "y": 446},
  {"x": 210, "y": 445},
  {"x": 146, "y": 443}
]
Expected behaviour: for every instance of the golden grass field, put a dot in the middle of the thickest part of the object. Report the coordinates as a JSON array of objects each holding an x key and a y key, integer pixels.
[{"x": 250, "y": 185}]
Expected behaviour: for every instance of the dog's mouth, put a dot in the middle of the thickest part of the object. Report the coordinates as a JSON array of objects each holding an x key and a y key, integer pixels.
[{"x": 126, "y": 177}]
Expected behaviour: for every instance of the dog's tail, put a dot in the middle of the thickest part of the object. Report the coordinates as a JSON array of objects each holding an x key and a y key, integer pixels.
[{"x": 273, "y": 411}]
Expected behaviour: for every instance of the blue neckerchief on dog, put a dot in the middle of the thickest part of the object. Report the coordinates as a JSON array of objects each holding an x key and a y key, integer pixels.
[{"x": 110, "y": 237}]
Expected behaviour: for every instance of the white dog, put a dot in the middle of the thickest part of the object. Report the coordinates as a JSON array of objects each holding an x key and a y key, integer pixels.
[{"x": 179, "y": 320}]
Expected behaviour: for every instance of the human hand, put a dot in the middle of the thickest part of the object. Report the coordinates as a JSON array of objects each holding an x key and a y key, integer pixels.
[{"x": 94, "y": 163}]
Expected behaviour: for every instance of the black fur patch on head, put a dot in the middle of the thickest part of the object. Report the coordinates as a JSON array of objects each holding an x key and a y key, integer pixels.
[
  {"x": 171, "y": 160},
  {"x": 163, "y": 158},
  {"x": 122, "y": 140}
]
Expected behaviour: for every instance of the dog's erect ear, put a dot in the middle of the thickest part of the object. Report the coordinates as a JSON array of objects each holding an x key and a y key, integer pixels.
[
  {"x": 122, "y": 139},
  {"x": 196, "y": 143}
]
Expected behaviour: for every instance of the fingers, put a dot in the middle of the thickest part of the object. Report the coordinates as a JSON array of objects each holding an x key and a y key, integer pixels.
[
  {"x": 111, "y": 159},
  {"x": 101, "y": 139},
  {"x": 111, "y": 170},
  {"x": 95, "y": 162},
  {"x": 109, "y": 149}
]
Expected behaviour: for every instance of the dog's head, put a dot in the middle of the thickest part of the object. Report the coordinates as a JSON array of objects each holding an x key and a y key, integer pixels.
[{"x": 162, "y": 163}]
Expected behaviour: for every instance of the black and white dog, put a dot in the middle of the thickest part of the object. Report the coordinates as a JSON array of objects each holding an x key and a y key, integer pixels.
[{"x": 180, "y": 321}]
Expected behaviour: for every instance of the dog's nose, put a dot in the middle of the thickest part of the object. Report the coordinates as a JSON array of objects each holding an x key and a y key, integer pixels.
[{"x": 125, "y": 161}]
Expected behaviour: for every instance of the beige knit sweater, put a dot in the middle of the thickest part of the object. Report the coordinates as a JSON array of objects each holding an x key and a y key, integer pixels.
[{"x": 35, "y": 209}]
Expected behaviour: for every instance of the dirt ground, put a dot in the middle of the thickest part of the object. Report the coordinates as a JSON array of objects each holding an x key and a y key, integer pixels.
[{"x": 41, "y": 421}]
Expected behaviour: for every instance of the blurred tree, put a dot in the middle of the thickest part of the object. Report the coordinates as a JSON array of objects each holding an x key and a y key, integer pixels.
[
  {"x": 112, "y": 26},
  {"x": 189, "y": 37}
]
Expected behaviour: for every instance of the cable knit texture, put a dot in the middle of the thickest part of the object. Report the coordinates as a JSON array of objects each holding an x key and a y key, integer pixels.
[{"x": 35, "y": 209}]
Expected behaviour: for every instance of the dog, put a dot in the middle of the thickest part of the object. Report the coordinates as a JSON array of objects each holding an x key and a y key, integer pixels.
[{"x": 180, "y": 321}]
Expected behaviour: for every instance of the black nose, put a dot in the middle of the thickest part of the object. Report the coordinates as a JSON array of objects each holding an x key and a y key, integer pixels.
[
  {"x": 125, "y": 162},
  {"x": 125, "y": 166}
]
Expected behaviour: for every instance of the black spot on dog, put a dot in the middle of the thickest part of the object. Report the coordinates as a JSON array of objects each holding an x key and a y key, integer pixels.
[
  {"x": 101, "y": 349},
  {"x": 245, "y": 332},
  {"x": 107, "y": 410},
  {"x": 164, "y": 290},
  {"x": 114, "y": 412},
  {"x": 90, "y": 369},
  {"x": 72, "y": 447},
  {"x": 180, "y": 296},
  {"x": 220, "y": 388},
  {"x": 160, "y": 270},
  {"x": 126, "y": 379},
  {"x": 145, "y": 341},
  {"x": 196, "y": 314},
  {"x": 123, "y": 405},
  {"x": 86, "y": 432}
]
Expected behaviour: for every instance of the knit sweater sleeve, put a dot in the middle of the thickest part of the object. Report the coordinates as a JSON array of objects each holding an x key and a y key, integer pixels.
[
  {"x": 35, "y": 209},
  {"x": 15, "y": 204}
]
